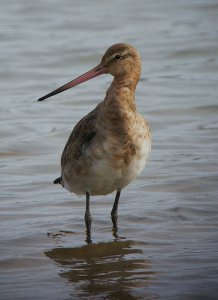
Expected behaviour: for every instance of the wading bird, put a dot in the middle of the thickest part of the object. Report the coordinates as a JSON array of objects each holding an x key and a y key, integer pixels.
[{"x": 108, "y": 147}]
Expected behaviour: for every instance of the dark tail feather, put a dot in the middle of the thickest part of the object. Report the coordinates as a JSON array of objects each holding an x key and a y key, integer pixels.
[{"x": 57, "y": 180}]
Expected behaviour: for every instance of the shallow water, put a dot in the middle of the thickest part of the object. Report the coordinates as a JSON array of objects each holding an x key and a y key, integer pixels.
[{"x": 167, "y": 245}]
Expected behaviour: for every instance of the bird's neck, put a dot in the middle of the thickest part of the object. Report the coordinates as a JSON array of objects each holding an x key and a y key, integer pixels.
[{"x": 121, "y": 93}]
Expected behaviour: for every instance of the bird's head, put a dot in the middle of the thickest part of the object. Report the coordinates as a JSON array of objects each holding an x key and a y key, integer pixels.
[{"x": 120, "y": 60}]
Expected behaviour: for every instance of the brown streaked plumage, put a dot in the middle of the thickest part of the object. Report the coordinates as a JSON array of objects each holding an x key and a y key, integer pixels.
[{"x": 109, "y": 147}]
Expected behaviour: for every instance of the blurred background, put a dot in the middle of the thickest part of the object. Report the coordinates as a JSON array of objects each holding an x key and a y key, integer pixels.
[{"x": 167, "y": 245}]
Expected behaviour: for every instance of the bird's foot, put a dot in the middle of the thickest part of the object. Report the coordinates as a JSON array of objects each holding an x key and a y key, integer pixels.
[
  {"x": 115, "y": 232},
  {"x": 88, "y": 238},
  {"x": 88, "y": 221},
  {"x": 114, "y": 221}
]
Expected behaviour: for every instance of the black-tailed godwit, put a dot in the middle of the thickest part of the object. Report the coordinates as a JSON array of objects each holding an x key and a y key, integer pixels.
[{"x": 109, "y": 147}]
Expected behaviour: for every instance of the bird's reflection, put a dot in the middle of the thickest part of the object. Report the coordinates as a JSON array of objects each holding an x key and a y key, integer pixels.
[{"x": 113, "y": 270}]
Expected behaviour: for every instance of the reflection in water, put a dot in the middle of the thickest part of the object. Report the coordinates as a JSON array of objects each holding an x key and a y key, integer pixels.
[{"x": 113, "y": 270}]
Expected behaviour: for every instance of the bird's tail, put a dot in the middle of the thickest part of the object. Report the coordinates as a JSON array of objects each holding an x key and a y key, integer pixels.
[{"x": 59, "y": 180}]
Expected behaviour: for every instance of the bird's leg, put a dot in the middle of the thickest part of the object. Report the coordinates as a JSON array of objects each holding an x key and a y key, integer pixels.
[
  {"x": 114, "y": 211},
  {"x": 88, "y": 219}
]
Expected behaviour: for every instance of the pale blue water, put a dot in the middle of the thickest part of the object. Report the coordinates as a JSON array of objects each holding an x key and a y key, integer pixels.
[{"x": 167, "y": 217}]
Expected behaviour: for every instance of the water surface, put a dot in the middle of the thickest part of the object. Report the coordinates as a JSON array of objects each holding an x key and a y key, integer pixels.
[{"x": 167, "y": 245}]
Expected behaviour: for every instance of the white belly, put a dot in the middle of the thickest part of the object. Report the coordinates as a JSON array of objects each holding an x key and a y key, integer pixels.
[{"x": 103, "y": 176}]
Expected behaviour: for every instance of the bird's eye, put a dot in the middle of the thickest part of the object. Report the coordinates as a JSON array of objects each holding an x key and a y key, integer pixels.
[{"x": 117, "y": 57}]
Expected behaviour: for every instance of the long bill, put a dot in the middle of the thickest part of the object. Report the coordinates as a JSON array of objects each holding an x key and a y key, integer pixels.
[{"x": 98, "y": 70}]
